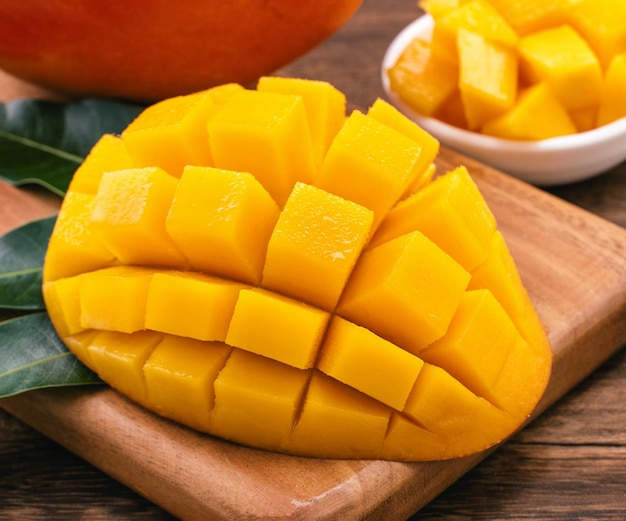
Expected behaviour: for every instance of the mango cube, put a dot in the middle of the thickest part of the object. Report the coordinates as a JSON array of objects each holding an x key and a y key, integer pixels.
[
  {"x": 119, "y": 358},
  {"x": 256, "y": 400},
  {"x": 62, "y": 299},
  {"x": 359, "y": 358},
  {"x": 266, "y": 134},
  {"x": 109, "y": 153},
  {"x": 350, "y": 422},
  {"x": 192, "y": 305},
  {"x": 276, "y": 327},
  {"x": 128, "y": 216},
  {"x": 432, "y": 405},
  {"x": 487, "y": 78},
  {"x": 560, "y": 57},
  {"x": 612, "y": 106},
  {"x": 478, "y": 17},
  {"x": 424, "y": 78},
  {"x": 73, "y": 248},
  {"x": 408, "y": 280},
  {"x": 179, "y": 376},
  {"x": 221, "y": 220},
  {"x": 451, "y": 212},
  {"x": 389, "y": 115},
  {"x": 172, "y": 133},
  {"x": 601, "y": 24},
  {"x": 325, "y": 107},
  {"x": 314, "y": 246},
  {"x": 530, "y": 16},
  {"x": 538, "y": 114},
  {"x": 114, "y": 299},
  {"x": 384, "y": 170},
  {"x": 475, "y": 349}
]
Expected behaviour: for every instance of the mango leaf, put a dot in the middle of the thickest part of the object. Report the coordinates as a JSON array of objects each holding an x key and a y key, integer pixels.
[
  {"x": 22, "y": 254},
  {"x": 32, "y": 357},
  {"x": 43, "y": 142}
]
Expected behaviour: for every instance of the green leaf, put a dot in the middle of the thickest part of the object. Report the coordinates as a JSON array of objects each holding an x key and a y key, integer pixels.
[
  {"x": 32, "y": 357},
  {"x": 22, "y": 253},
  {"x": 43, "y": 142}
]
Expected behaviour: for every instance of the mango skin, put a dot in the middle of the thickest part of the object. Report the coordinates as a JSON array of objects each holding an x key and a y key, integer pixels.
[
  {"x": 126, "y": 51},
  {"x": 307, "y": 316}
]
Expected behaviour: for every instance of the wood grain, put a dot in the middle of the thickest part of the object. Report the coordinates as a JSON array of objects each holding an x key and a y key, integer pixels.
[{"x": 566, "y": 257}]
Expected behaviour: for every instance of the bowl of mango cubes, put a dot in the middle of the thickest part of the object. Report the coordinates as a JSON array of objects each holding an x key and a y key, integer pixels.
[{"x": 536, "y": 90}]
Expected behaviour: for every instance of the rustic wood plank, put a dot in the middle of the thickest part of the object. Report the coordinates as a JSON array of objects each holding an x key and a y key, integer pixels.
[{"x": 32, "y": 491}]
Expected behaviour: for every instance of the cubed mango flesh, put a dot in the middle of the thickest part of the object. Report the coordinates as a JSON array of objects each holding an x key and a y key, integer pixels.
[
  {"x": 277, "y": 327},
  {"x": 172, "y": 133},
  {"x": 73, "y": 247},
  {"x": 537, "y": 114},
  {"x": 530, "y": 16},
  {"x": 476, "y": 16},
  {"x": 387, "y": 160},
  {"x": 612, "y": 106},
  {"x": 266, "y": 134},
  {"x": 561, "y": 75},
  {"x": 221, "y": 220},
  {"x": 487, "y": 77},
  {"x": 179, "y": 376},
  {"x": 451, "y": 212},
  {"x": 128, "y": 216},
  {"x": 325, "y": 107},
  {"x": 424, "y": 77},
  {"x": 315, "y": 245},
  {"x": 109, "y": 153},
  {"x": 316, "y": 287},
  {"x": 560, "y": 57},
  {"x": 407, "y": 280},
  {"x": 601, "y": 24}
]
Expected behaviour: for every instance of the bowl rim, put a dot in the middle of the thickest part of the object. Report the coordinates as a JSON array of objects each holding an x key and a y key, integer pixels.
[{"x": 423, "y": 26}]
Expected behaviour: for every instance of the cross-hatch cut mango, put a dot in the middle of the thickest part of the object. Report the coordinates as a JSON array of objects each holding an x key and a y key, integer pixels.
[
  {"x": 522, "y": 70},
  {"x": 259, "y": 265}
]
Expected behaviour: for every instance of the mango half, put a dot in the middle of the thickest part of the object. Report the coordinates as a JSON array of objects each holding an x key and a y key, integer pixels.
[{"x": 260, "y": 266}]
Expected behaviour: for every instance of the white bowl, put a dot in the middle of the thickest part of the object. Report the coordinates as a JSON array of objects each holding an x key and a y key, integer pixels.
[{"x": 546, "y": 162}]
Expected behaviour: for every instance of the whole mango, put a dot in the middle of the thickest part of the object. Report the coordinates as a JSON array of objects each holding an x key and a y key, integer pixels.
[{"x": 149, "y": 51}]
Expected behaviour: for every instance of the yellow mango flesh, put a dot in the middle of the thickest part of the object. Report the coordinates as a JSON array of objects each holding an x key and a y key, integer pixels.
[
  {"x": 450, "y": 212},
  {"x": 221, "y": 220},
  {"x": 529, "y": 16},
  {"x": 325, "y": 107},
  {"x": 315, "y": 245},
  {"x": 612, "y": 106},
  {"x": 487, "y": 78},
  {"x": 128, "y": 216},
  {"x": 562, "y": 58},
  {"x": 361, "y": 307},
  {"x": 172, "y": 134},
  {"x": 179, "y": 375},
  {"x": 565, "y": 80},
  {"x": 109, "y": 153},
  {"x": 267, "y": 134},
  {"x": 477, "y": 16},
  {"x": 423, "y": 77},
  {"x": 537, "y": 114},
  {"x": 601, "y": 24}
]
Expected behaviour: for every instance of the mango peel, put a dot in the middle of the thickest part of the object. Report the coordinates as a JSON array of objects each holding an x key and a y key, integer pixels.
[{"x": 258, "y": 265}]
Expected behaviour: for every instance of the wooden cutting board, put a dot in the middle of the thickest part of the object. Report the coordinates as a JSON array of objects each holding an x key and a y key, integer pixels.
[{"x": 574, "y": 266}]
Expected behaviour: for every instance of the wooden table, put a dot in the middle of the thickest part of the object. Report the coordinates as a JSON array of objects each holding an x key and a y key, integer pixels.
[{"x": 568, "y": 464}]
